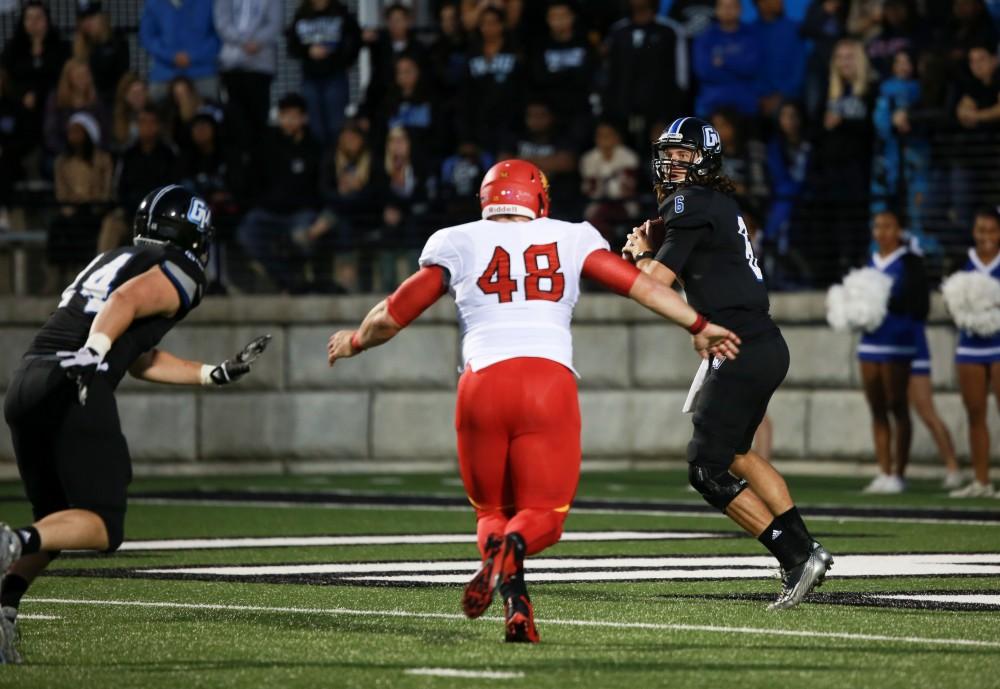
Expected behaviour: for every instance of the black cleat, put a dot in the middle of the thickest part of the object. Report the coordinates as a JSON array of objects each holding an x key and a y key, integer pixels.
[{"x": 519, "y": 617}]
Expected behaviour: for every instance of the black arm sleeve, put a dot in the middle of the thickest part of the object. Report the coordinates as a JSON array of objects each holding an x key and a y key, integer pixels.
[{"x": 913, "y": 298}]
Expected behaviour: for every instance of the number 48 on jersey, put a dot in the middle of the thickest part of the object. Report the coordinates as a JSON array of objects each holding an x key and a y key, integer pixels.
[{"x": 542, "y": 281}]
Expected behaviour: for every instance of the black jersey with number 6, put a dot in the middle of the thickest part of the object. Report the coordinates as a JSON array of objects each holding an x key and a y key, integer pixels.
[
  {"x": 707, "y": 245},
  {"x": 68, "y": 327}
]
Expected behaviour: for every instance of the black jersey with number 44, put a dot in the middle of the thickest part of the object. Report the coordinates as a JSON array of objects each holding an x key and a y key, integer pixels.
[
  {"x": 707, "y": 245},
  {"x": 68, "y": 327}
]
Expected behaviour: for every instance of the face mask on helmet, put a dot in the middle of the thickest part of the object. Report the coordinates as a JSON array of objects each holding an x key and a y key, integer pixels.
[
  {"x": 666, "y": 164},
  {"x": 702, "y": 142}
]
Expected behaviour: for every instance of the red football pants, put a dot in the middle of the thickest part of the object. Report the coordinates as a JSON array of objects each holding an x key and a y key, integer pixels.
[{"x": 518, "y": 424}]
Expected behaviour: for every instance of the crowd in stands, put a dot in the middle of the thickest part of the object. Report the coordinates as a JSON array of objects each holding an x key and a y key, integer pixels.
[{"x": 827, "y": 110}]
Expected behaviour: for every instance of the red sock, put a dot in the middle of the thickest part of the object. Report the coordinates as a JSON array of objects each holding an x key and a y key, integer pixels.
[
  {"x": 539, "y": 528},
  {"x": 489, "y": 523}
]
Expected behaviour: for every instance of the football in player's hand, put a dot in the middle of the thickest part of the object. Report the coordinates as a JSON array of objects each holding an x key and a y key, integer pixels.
[{"x": 657, "y": 230}]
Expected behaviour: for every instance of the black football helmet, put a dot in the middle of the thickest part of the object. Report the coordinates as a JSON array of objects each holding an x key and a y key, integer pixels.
[
  {"x": 173, "y": 215},
  {"x": 695, "y": 135}
]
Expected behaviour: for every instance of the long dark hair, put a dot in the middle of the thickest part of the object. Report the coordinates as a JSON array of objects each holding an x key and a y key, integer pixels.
[
  {"x": 21, "y": 41},
  {"x": 719, "y": 183}
]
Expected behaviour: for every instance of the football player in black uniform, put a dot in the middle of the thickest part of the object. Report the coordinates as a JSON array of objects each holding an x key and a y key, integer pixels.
[
  {"x": 60, "y": 405},
  {"x": 706, "y": 246}
]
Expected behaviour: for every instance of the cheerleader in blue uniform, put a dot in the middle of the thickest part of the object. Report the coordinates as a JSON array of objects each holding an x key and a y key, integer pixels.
[
  {"x": 978, "y": 359},
  {"x": 921, "y": 397},
  {"x": 886, "y": 353}
]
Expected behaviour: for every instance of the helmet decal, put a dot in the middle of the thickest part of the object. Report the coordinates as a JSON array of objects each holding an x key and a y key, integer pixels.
[
  {"x": 198, "y": 213},
  {"x": 711, "y": 137}
]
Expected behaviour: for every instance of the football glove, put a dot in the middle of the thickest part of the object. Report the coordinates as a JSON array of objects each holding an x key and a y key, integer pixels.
[
  {"x": 81, "y": 366},
  {"x": 231, "y": 370}
]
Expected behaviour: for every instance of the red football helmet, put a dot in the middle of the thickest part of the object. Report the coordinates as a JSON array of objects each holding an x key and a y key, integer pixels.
[{"x": 514, "y": 187}]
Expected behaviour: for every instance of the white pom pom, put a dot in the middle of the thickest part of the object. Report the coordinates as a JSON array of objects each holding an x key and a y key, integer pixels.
[
  {"x": 973, "y": 299},
  {"x": 860, "y": 302}
]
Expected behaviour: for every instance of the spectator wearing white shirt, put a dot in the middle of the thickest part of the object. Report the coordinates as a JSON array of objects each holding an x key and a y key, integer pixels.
[{"x": 609, "y": 172}]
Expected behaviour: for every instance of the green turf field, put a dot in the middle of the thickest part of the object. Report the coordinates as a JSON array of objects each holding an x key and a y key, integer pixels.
[{"x": 650, "y": 592}]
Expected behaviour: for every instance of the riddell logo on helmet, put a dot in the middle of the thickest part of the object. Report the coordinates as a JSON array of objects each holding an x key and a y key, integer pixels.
[{"x": 507, "y": 209}]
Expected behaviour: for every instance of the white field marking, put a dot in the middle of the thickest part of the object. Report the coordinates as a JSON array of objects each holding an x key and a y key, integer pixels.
[
  {"x": 653, "y": 626},
  {"x": 185, "y": 502},
  {"x": 398, "y": 539},
  {"x": 618, "y": 568},
  {"x": 34, "y": 616},
  {"x": 961, "y": 598},
  {"x": 455, "y": 672}
]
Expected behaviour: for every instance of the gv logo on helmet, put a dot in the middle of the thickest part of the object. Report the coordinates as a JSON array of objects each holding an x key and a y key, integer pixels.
[
  {"x": 711, "y": 137},
  {"x": 198, "y": 213}
]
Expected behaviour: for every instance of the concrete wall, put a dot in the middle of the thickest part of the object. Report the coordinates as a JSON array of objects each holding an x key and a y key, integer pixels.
[{"x": 395, "y": 404}]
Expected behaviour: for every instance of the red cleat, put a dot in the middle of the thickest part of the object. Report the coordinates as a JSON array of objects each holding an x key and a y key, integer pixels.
[
  {"x": 478, "y": 593},
  {"x": 520, "y": 617}
]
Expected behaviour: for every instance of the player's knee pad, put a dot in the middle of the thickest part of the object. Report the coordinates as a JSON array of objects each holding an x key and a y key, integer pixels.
[{"x": 719, "y": 488}]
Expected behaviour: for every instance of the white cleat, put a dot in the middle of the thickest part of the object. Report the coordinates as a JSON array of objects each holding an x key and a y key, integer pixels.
[
  {"x": 877, "y": 484},
  {"x": 799, "y": 581},
  {"x": 893, "y": 485},
  {"x": 9, "y": 638},
  {"x": 952, "y": 480},
  {"x": 974, "y": 490},
  {"x": 10, "y": 548}
]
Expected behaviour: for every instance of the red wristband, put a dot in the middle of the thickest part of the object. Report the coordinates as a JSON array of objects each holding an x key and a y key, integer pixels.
[
  {"x": 356, "y": 342},
  {"x": 700, "y": 324}
]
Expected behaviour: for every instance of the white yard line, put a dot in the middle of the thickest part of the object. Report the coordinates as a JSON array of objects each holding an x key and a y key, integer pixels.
[
  {"x": 655, "y": 568},
  {"x": 653, "y": 626},
  {"x": 960, "y": 598},
  {"x": 455, "y": 672},
  {"x": 397, "y": 539},
  {"x": 168, "y": 502},
  {"x": 33, "y": 616}
]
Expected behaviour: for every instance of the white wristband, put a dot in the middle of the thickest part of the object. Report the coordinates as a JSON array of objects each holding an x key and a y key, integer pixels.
[
  {"x": 206, "y": 374},
  {"x": 100, "y": 343}
]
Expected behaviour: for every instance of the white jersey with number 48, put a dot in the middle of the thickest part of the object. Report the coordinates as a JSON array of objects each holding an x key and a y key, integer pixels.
[{"x": 515, "y": 285}]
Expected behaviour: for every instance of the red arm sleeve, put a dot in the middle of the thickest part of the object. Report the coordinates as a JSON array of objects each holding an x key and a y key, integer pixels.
[
  {"x": 612, "y": 271},
  {"x": 416, "y": 294}
]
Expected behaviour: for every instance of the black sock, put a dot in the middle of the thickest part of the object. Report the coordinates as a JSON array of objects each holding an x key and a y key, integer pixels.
[
  {"x": 790, "y": 548},
  {"x": 31, "y": 542},
  {"x": 11, "y": 590},
  {"x": 792, "y": 521}
]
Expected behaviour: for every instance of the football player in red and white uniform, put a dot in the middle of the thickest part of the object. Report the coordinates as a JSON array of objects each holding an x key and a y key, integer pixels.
[{"x": 515, "y": 276}]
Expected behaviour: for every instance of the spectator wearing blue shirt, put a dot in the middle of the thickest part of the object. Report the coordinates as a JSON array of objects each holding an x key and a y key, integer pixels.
[
  {"x": 783, "y": 58},
  {"x": 788, "y": 154},
  {"x": 727, "y": 60},
  {"x": 902, "y": 152},
  {"x": 180, "y": 37}
]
